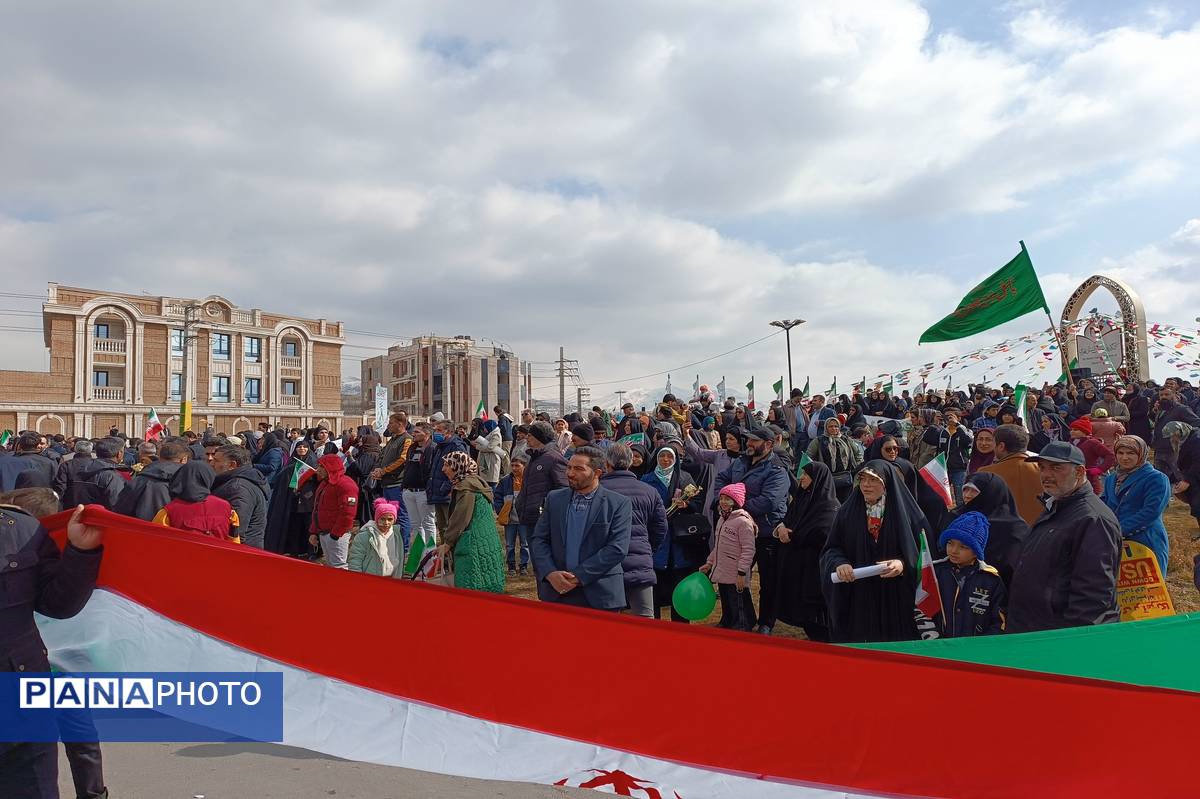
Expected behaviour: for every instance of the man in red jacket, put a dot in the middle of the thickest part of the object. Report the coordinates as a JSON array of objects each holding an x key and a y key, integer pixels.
[{"x": 335, "y": 506}]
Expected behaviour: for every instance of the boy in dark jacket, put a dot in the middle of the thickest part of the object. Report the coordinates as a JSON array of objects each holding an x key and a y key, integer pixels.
[
  {"x": 973, "y": 597},
  {"x": 506, "y": 492}
]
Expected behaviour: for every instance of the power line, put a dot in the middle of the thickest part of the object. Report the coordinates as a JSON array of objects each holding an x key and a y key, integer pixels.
[{"x": 689, "y": 365}]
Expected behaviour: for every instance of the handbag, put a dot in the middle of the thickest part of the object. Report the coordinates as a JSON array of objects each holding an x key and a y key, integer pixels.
[{"x": 690, "y": 526}]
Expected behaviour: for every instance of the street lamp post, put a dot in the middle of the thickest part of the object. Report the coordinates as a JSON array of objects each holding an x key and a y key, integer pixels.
[{"x": 787, "y": 325}]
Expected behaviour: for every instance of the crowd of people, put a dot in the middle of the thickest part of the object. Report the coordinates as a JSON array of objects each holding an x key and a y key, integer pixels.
[{"x": 613, "y": 510}]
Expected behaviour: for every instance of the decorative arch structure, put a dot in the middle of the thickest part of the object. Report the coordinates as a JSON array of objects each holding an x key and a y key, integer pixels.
[
  {"x": 242, "y": 420},
  {"x": 1135, "y": 358}
]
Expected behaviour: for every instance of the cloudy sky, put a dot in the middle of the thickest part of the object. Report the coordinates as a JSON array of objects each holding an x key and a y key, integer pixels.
[{"x": 645, "y": 183}]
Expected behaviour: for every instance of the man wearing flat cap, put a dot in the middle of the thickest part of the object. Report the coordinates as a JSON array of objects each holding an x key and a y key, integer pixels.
[{"x": 1066, "y": 573}]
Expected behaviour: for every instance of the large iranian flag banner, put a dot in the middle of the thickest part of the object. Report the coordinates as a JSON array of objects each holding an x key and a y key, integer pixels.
[{"x": 938, "y": 478}]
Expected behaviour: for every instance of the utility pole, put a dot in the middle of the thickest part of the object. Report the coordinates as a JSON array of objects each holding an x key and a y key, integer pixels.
[
  {"x": 620, "y": 398},
  {"x": 562, "y": 384},
  {"x": 185, "y": 404},
  {"x": 787, "y": 325}
]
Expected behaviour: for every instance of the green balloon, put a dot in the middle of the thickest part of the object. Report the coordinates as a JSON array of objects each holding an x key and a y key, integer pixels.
[{"x": 694, "y": 597}]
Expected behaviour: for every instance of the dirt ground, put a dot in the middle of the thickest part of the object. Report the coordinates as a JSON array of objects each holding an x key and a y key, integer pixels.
[{"x": 1180, "y": 527}]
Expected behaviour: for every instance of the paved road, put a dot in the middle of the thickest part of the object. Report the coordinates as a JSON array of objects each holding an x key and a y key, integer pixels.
[{"x": 263, "y": 771}]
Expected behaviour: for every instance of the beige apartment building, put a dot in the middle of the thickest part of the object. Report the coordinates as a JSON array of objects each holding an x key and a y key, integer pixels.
[
  {"x": 451, "y": 375},
  {"x": 114, "y": 356}
]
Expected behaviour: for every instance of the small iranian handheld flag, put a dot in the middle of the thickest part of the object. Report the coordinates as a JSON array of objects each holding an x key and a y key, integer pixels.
[
  {"x": 804, "y": 461},
  {"x": 154, "y": 428},
  {"x": 936, "y": 476},
  {"x": 1018, "y": 400},
  {"x": 5, "y": 437},
  {"x": 778, "y": 389},
  {"x": 481, "y": 411},
  {"x": 929, "y": 598},
  {"x": 301, "y": 468},
  {"x": 750, "y": 395},
  {"x": 807, "y": 382}
]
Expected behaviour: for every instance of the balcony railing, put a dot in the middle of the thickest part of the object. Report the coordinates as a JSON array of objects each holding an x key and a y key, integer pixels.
[
  {"x": 291, "y": 362},
  {"x": 109, "y": 345},
  {"x": 108, "y": 393},
  {"x": 289, "y": 400}
]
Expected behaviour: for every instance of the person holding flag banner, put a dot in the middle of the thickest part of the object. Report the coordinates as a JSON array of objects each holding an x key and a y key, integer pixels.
[
  {"x": 878, "y": 525},
  {"x": 154, "y": 428}
]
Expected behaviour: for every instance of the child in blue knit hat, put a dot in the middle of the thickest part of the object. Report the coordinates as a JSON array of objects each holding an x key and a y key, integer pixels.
[{"x": 973, "y": 596}]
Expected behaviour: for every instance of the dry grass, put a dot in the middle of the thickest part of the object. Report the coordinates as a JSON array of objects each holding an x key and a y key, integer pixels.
[{"x": 1180, "y": 527}]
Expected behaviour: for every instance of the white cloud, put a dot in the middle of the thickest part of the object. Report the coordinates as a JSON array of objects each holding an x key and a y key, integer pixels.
[{"x": 420, "y": 169}]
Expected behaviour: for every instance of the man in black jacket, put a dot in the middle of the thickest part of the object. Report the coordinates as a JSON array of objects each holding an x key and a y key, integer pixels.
[
  {"x": 38, "y": 578},
  {"x": 1066, "y": 574},
  {"x": 101, "y": 482},
  {"x": 27, "y": 458},
  {"x": 1170, "y": 410},
  {"x": 150, "y": 489},
  {"x": 547, "y": 470},
  {"x": 245, "y": 488}
]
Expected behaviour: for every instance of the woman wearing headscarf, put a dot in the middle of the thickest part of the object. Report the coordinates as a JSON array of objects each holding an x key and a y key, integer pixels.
[
  {"x": 366, "y": 459},
  {"x": 629, "y": 426},
  {"x": 838, "y": 454},
  {"x": 675, "y": 558},
  {"x": 642, "y": 465},
  {"x": 1008, "y": 414},
  {"x": 988, "y": 494},
  {"x": 1139, "y": 413},
  {"x": 1139, "y": 494},
  {"x": 1053, "y": 428},
  {"x": 289, "y": 514},
  {"x": 802, "y": 535},
  {"x": 710, "y": 432},
  {"x": 878, "y": 524},
  {"x": 193, "y": 506},
  {"x": 470, "y": 534},
  {"x": 920, "y": 450},
  {"x": 983, "y": 452},
  {"x": 269, "y": 458},
  {"x": 1185, "y": 440},
  {"x": 717, "y": 459},
  {"x": 1083, "y": 404}
]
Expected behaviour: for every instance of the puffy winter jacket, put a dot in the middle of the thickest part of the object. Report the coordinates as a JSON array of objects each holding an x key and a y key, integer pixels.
[
  {"x": 973, "y": 599},
  {"x": 733, "y": 553},
  {"x": 546, "y": 471},
  {"x": 335, "y": 504},
  {"x": 649, "y": 525},
  {"x": 439, "y": 484},
  {"x": 767, "y": 486},
  {"x": 148, "y": 492},
  {"x": 247, "y": 491}
]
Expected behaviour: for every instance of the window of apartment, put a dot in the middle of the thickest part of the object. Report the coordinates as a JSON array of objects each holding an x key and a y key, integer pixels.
[
  {"x": 101, "y": 330},
  {"x": 291, "y": 349},
  {"x": 395, "y": 368},
  {"x": 253, "y": 349},
  {"x": 220, "y": 389},
  {"x": 289, "y": 388},
  {"x": 176, "y": 385},
  {"x": 100, "y": 378},
  {"x": 253, "y": 390},
  {"x": 403, "y": 369},
  {"x": 220, "y": 348},
  {"x": 177, "y": 343},
  {"x": 395, "y": 392}
]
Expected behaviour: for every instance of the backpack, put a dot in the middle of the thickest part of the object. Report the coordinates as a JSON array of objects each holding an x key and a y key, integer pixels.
[{"x": 84, "y": 489}]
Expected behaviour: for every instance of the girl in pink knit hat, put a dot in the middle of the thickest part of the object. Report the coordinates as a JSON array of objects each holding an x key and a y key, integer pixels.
[
  {"x": 378, "y": 546},
  {"x": 729, "y": 563}
]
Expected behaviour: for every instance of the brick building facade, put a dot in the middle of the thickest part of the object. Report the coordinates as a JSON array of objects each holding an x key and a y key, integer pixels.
[
  {"x": 450, "y": 375},
  {"x": 113, "y": 357}
]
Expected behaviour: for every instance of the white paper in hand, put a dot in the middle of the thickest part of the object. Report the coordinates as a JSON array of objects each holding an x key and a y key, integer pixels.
[{"x": 861, "y": 572}]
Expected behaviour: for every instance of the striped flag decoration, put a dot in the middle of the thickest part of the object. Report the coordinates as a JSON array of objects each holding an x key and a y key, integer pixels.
[{"x": 936, "y": 476}]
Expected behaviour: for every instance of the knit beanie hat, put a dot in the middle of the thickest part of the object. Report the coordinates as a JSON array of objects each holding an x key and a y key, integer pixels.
[
  {"x": 1099, "y": 413},
  {"x": 382, "y": 506},
  {"x": 1083, "y": 424},
  {"x": 736, "y": 492},
  {"x": 584, "y": 431},
  {"x": 971, "y": 529},
  {"x": 541, "y": 432}
]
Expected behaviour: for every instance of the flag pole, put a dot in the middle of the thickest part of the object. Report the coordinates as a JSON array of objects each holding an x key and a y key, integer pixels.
[{"x": 1062, "y": 349}]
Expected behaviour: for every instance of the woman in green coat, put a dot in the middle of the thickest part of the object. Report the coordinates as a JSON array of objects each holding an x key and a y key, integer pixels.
[{"x": 471, "y": 533}]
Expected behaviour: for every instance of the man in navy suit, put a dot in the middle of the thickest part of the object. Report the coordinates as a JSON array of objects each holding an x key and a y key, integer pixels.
[{"x": 581, "y": 538}]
